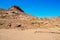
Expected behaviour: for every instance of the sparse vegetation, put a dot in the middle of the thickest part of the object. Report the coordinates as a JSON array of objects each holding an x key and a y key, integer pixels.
[
  {"x": 16, "y": 15},
  {"x": 18, "y": 26}
]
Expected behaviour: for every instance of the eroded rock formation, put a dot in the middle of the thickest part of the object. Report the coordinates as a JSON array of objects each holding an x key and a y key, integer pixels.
[{"x": 16, "y": 18}]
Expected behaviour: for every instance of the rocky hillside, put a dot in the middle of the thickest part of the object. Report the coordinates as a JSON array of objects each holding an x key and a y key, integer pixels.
[{"x": 15, "y": 17}]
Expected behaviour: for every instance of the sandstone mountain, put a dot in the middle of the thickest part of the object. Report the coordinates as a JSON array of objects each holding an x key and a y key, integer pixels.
[{"x": 15, "y": 17}]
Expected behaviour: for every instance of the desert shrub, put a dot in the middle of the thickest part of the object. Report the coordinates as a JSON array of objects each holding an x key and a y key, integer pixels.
[
  {"x": 18, "y": 26},
  {"x": 32, "y": 23},
  {"x": 1, "y": 23},
  {"x": 9, "y": 24},
  {"x": 57, "y": 25},
  {"x": 13, "y": 12},
  {"x": 6, "y": 13}
]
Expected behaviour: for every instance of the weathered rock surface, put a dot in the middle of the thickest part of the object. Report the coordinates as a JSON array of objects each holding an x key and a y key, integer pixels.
[{"x": 16, "y": 18}]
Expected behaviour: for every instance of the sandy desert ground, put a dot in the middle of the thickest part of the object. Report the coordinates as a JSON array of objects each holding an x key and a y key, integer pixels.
[{"x": 30, "y": 34}]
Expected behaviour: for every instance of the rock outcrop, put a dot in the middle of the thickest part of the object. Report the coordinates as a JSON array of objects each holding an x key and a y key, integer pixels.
[{"x": 15, "y": 17}]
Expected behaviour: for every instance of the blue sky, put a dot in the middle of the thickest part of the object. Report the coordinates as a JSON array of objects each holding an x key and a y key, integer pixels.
[{"x": 38, "y": 8}]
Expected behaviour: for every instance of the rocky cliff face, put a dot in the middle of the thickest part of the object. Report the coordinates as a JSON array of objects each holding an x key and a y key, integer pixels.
[{"x": 16, "y": 18}]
